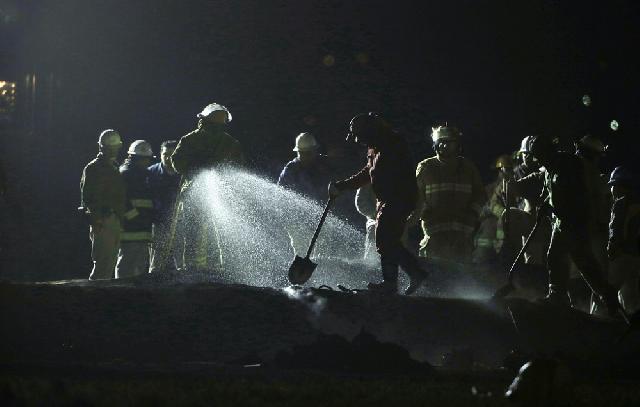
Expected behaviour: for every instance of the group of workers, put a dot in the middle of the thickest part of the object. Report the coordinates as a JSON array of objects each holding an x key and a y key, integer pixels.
[
  {"x": 133, "y": 208},
  {"x": 578, "y": 223}
]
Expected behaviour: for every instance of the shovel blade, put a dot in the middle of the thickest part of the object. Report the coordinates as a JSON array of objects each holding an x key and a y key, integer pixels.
[{"x": 300, "y": 270}]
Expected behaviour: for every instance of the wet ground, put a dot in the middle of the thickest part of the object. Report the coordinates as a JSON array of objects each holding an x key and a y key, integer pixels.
[{"x": 187, "y": 339}]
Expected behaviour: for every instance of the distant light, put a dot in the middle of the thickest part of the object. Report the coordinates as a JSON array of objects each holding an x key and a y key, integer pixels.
[
  {"x": 328, "y": 60},
  {"x": 7, "y": 99},
  {"x": 362, "y": 58},
  {"x": 614, "y": 125},
  {"x": 586, "y": 100}
]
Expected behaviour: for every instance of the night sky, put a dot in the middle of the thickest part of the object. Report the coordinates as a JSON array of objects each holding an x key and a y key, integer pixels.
[{"x": 497, "y": 69}]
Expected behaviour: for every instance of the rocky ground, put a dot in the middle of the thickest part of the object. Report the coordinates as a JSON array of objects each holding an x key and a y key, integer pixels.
[{"x": 190, "y": 340}]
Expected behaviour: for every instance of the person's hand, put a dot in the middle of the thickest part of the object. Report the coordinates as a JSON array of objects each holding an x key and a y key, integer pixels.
[{"x": 333, "y": 190}]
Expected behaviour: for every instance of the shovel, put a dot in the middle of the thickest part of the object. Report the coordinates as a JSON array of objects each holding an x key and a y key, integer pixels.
[
  {"x": 509, "y": 287},
  {"x": 301, "y": 269}
]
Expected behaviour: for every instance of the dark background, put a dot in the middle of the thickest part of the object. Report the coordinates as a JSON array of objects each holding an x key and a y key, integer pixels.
[{"x": 499, "y": 70}]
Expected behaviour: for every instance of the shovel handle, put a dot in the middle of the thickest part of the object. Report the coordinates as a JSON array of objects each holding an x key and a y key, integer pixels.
[
  {"x": 317, "y": 232},
  {"x": 525, "y": 246}
]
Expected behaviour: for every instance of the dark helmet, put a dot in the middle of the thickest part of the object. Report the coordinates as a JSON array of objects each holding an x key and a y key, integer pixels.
[
  {"x": 540, "y": 145},
  {"x": 365, "y": 126},
  {"x": 622, "y": 176}
]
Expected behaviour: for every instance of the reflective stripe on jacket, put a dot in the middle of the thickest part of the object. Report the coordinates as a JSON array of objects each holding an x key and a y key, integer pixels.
[
  {"x": 450, "y": 195},
  {"x": 138, "y": 219}
]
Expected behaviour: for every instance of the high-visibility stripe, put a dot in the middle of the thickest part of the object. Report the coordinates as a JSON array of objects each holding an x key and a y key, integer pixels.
[
  {"x": 142, "y": 203},
  {"x": 448, "y": 187},
  {"x": 131, "y": 214},
  {"x": 484, "y": 242},
  {"x": 135, "y": 236}
]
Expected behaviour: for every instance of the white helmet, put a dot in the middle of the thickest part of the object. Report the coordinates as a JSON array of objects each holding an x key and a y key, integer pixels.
[
  {"x": 109, "y": 138},
  {"x": 140, "y": 148},
  {"x": 445, "y": 133},
  {"x": 305, "y": 142},
  {"x": 214, "y": 107},
  {"x": 525, "y": 145}
]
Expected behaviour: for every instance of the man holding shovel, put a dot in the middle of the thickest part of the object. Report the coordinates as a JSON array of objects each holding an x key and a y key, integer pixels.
[
  {"x": 389, "y": 170},
  {"x": 565, "y": 182}
]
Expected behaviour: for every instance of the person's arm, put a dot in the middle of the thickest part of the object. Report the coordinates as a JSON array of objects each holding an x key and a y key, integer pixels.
[
  {"x": 88, "y": 198},
  {"x": 529, "y": 187},
  {"x": 417, "y": 213},
  {"x": 181, "y": 156},
  {"x": 356, "y": 181},
  {"x": 616, "y": 227},
  {"x": 285, "y": 178}
]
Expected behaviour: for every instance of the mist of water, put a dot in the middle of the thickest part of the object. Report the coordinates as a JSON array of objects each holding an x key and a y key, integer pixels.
[{"x": 251, "y": 215}]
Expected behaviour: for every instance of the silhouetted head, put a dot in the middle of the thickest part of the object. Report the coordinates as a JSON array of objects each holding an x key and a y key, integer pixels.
[{"x": 367, "y": 129}]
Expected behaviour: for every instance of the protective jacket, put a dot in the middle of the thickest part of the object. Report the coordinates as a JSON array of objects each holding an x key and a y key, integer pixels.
[
  {"x": 450, "y": 195},
  {"x": 102, "y": 188},
  {"x": 139, "y": 216},
  {"x": 390, "y": 173},
  {"x": 565, "y": 182},
  {"x": 164, "y": 189},
  {"x": 310, "y": 179},
  {"x": 206, "y": 147},
  {"x": 624, "y": 228}
]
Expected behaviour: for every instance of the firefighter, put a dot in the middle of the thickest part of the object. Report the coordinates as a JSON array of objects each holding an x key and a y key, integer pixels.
[
  {"x": 490, "y": 235},
  {"x": 135, "y": 239},
  {"x": 164, "y": 183},
  {"x": 450, "y": 198},
  {"x": 390, "y": 174},
  {"x": 623, "y": 246},
  {"x": 565, "y": 183},
  {"x": 103, "y": 197},
  {"x": 521, "y": 216},
  {"x": 207, "y": 147},
  {"x": 308, "y": 175}
]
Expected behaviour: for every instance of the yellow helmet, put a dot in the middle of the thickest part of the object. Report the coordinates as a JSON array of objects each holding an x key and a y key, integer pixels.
[{"x": 503, "y": 161}]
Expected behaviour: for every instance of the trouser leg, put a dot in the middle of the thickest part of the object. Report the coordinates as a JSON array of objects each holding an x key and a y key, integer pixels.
[
  {"x": 589, "y": 267},
  {"x": 624, "y": 275},
  {"x": 104, "y": 248},
  {"x": 132, "y": 259},
  {"x": 370, "y": 240},
  {"x": 163, "y": 251},
  {"x": 390, "y": 227}
]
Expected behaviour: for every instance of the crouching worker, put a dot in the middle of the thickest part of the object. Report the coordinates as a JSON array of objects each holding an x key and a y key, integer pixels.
[
  {"x": 133, "y": 257},
  {"x": 389, "y": 170},
  {"x": 102, "y": 193}
]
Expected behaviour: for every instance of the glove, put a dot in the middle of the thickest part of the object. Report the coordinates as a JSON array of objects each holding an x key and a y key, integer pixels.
[
  {"x": 545, "y": 209},
  {"x": 333, "y": 190}
]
